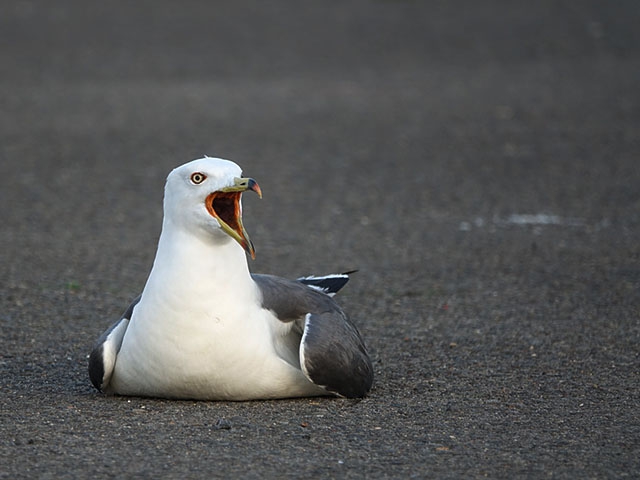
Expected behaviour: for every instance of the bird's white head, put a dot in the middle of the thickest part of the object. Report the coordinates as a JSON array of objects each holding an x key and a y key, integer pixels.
[{"x": 204, "y": 197}]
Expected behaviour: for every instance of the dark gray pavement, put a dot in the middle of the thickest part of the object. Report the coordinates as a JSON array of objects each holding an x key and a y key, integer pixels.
[{"x": 478, "y": 162}]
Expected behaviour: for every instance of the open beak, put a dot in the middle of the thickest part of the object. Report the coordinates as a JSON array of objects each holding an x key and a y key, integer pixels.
[{"x": 224, "y": 206}]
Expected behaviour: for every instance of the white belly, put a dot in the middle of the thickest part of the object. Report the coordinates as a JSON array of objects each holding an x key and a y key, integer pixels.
[{"x": 197, "y": 355}]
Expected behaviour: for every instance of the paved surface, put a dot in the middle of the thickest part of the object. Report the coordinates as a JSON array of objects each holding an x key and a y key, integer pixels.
[{"x": 478, "y": 162}]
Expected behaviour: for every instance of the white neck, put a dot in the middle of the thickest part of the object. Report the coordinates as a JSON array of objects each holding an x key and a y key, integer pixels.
[{"x": 196, "y": 269}]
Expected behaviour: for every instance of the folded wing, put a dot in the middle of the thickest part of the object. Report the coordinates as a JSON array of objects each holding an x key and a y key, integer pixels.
[{"x": 331, "y": 351}]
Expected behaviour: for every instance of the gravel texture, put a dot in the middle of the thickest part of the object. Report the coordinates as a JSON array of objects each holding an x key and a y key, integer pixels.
[{"x": 477, "y": 162}]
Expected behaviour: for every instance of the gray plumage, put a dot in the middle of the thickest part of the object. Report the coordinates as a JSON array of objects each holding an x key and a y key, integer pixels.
[
  {"x": 205, "y": 328},
  {"x": 327, "y": 344},
  {"x": 332, "y": 352}
]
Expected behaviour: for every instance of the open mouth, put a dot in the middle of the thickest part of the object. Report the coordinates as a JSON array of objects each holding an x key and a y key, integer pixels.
[{"x": 224, "y": 206}]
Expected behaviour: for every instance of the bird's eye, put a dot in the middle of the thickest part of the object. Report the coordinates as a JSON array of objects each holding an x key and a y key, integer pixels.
[{"x": 197, "y": 178}]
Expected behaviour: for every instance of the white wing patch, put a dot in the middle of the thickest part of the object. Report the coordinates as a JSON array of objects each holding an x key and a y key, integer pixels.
[
  {"x": 110, "y": 349},
  {"x": 303, "y": 364}
]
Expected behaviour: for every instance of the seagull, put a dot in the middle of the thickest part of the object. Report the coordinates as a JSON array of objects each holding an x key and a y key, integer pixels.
[{"x": 205, "y": 328}]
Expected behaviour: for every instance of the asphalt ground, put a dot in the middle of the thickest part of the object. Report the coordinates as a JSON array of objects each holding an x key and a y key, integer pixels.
[{"x": 477, "y": 162}]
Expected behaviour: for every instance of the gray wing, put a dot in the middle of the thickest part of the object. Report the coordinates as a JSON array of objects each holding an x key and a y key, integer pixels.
[
  {"x": 331, "y": 351},
  {"x": 102, "y": 359},
  {"x": 333, "y": 355}
]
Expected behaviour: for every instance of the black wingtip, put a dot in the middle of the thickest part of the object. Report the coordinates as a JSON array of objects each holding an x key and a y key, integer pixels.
[
  {"x": 98, "y": 373},
  {"x": 96, "y": 367},
  {"x": 329, "y": 284}
]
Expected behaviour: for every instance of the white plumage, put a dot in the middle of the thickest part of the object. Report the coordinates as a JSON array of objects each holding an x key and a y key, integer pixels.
[{"x": 204, "y": 327}]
